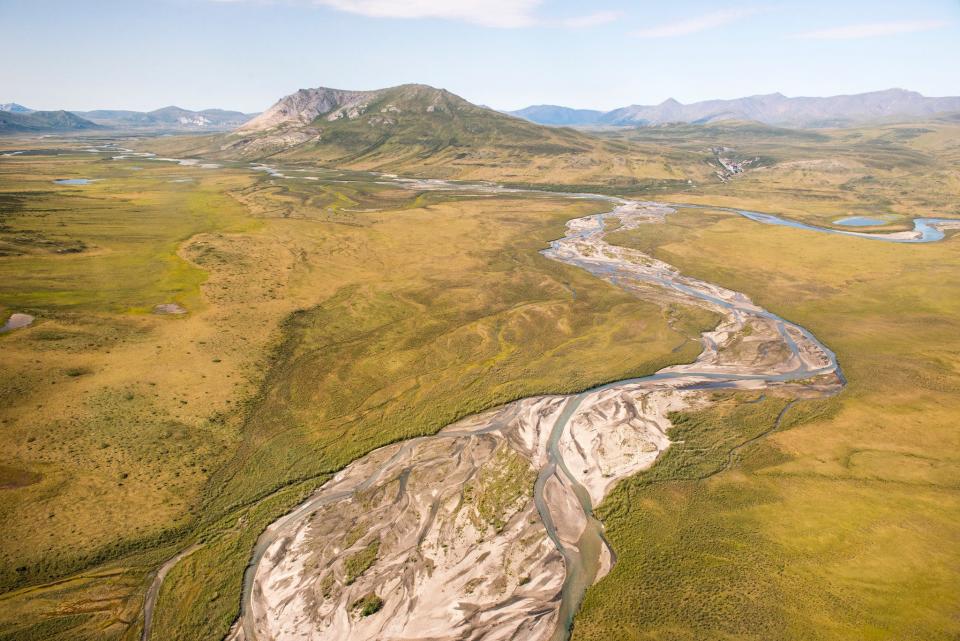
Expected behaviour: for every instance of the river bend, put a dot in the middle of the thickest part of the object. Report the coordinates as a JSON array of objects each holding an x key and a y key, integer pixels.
[{"x": 486, "y": 529}]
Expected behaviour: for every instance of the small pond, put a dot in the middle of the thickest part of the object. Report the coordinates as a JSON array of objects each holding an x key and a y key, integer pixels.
[{"x": 16, "y": 321}]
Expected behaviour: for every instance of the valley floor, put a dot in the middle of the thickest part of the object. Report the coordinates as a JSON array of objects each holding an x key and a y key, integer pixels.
[{"x": 326, "y": 318}]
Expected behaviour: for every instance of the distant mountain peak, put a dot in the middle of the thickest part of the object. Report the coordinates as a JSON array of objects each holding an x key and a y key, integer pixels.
[
  {"x": 168, "y": 118},
  {"x": 42, "y": 121},
  {"x": 13, "y": 107},
  {"x": 305, "y": 106},
  {"x": 557, "y": 115},
  {"x": 771, "y": 109}
]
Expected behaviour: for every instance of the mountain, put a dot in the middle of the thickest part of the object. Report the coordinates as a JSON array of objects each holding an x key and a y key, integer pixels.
[
  {"x": 771, "y": 109},
  {"x": 168, "y": 118},
  {"x": 42, "y": 121},
  {"x": 306, "y": 105},
  {"x": 13, "y": 107},
  {"x": 556, "y": 115},
  {"x": 406, "y": 124},
  {"x": 420, "y": 130},
  {"x": 117, "y": 117},
  {"x": 207, "y": 118}
]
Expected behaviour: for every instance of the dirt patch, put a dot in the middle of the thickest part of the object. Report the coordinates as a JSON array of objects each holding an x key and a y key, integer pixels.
[
  {"x": 169, "y": 308},
  {"x": 13, "y": 477}
]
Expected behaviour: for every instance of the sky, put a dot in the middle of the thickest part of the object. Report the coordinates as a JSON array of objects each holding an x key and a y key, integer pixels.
[{"x": 507, "y": 54}]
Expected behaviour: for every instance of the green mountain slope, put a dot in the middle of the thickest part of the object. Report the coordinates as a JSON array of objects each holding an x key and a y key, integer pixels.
[
  {"x": 42, "y": 121},
  {"x": 417, "y": 129}
]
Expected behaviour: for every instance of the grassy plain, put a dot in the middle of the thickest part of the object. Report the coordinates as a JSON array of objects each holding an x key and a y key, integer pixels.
[
  {"x": 906, "y": 170},
  {"x": 327, "y": 318},
  {"x": 324, "y": 319},
  {"x": 841, "y": 524}
]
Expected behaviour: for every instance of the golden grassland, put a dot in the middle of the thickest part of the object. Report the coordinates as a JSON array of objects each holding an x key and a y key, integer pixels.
[
  {"x": 530, "y": 155},
  {"x": 99, "y": 393},
  {"x": 906, "y": 170},
  {"x": 324, "y": 320},
  {"x": 842, "y": 523},
  {"x": 328, "y": 318}
]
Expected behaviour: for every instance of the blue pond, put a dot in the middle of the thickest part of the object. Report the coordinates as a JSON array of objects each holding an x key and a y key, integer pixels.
[
  {"x": 73, "y": 181},
  {"x": 859, "y": 221}
]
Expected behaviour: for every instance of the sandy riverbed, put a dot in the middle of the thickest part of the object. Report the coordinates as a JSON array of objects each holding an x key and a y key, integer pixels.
[{"x": 442, "y": 534}]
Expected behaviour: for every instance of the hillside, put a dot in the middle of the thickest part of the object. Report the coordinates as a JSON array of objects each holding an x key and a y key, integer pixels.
[
  {"x": 42, "y": 121},
  {"x": 410, "y": 121},
  {"x": 771, "y": 109},
  {"x": 168, "y": 118},
  {"x": 420, "y": 130},
  {"x": 557, "y": 115}
]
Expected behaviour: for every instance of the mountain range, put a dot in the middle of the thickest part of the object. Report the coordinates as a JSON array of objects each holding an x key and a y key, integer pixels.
[
  {"x": 771, "y": 109},
  {"x": 425, "y": 131},
  {"x": 165, "y": 119},
  {"x": 17, "y": 121},
  {"x": 168, "y": 118},
  {"x": 14, "y": 108},
  {"x": 295, "y": 119},
  {"x": 409, "y": 121}
]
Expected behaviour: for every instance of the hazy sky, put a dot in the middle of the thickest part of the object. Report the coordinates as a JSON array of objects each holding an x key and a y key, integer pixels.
[{"x": 244, "y": 54}]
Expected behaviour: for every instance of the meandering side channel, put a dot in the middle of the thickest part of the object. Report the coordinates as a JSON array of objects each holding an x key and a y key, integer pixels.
[{"x": 486, "y": 529}]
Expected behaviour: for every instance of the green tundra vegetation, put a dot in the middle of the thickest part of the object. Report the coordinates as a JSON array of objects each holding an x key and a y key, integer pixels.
[
  {"x": 501, "y": 488},
  {"x": 361, "y": 561},
  {"x": 323, "y": 319},
  {"x": 841, "y": 523},
  {"x": 905, "y": 170},
  {"x": 329, "y": 314},
  {"x": 368, "y": 604}
]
